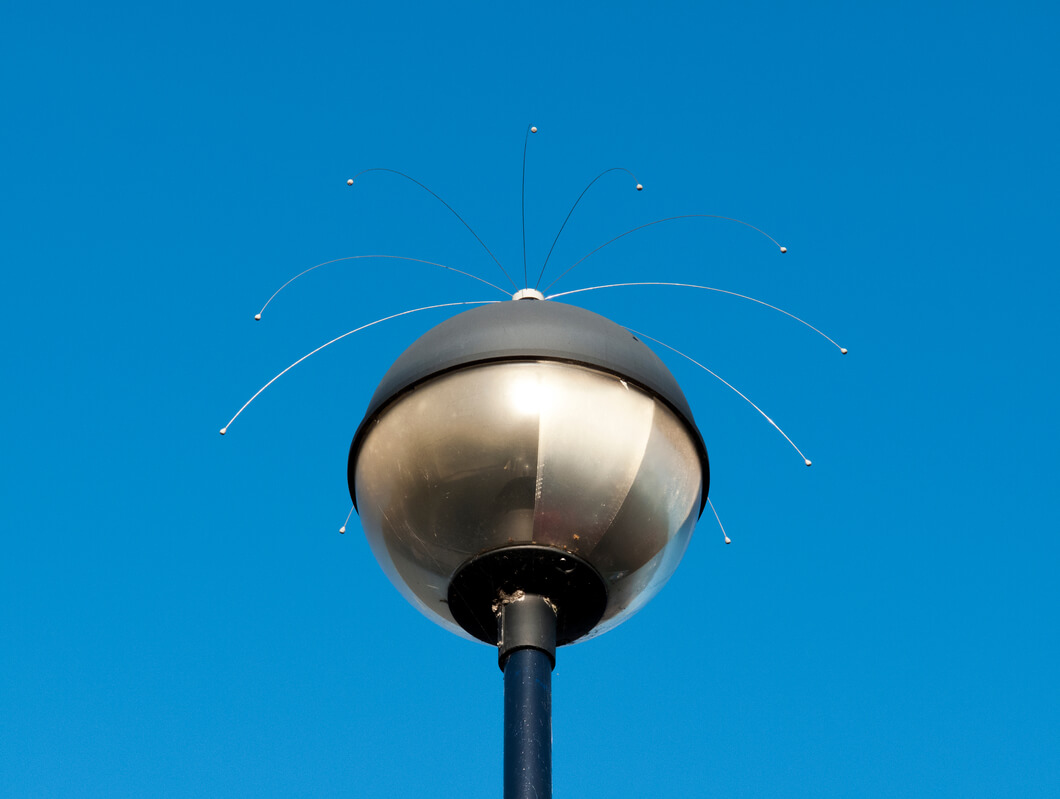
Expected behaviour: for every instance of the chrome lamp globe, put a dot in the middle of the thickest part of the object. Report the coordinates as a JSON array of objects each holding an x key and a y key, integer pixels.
[{"x": 528, "y": 474}]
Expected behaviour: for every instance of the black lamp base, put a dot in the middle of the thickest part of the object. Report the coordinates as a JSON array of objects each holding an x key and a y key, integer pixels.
[{"x": 481, "y": 586}]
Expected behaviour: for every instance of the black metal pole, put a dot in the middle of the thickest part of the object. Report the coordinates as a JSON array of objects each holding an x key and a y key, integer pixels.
[{"x": 527, "y": 654}]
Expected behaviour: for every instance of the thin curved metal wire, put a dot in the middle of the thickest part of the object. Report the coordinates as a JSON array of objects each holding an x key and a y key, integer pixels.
[
  {"x": 843, "y": 350},
  {"x": 447, "y": 205},
  {"x": 765, "y": 416},
  {"x": 344, "y": 335},
  {"x": 522, "y": 205},
  {"x": 357, "y": 257},
  {"x": 656, "y": 222},
  {"x": 571, "y": 211}
]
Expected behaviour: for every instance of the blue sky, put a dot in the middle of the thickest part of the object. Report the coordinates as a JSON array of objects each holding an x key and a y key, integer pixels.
[{"x": 180, "y": 617}]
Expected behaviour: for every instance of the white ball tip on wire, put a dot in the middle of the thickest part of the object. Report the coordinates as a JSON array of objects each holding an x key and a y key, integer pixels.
[
  {"x": 533, "y": 130},
  {"x": 843, "y": 350},
  {"x": 728, "y": 540},
  {"x": 349, "y": 182},
  {"x": 257, "y": 317},
  {"x": 224, "y": 430},
  {"x": 809, "y": 462},
  {"x": 783, "y": 249},
  {"x": 640, "y": 187},
  {"x": 342, "y": 530}
]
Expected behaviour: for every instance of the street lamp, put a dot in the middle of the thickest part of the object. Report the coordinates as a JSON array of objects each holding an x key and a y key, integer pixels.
[{"x": 528, "y": 474}]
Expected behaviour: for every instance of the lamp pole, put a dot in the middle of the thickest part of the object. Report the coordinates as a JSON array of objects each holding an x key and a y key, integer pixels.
[{"x": 527, "y": 655}]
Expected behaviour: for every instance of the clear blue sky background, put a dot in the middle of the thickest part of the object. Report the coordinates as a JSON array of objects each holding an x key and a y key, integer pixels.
[{"x": 179, "y": 616}]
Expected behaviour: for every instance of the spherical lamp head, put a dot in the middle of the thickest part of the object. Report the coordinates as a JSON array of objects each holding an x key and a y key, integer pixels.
[{"x": 528, "y": 446}]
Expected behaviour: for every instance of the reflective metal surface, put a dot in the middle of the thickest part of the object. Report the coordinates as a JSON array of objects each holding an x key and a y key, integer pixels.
[{"x": 528, "y": 452}]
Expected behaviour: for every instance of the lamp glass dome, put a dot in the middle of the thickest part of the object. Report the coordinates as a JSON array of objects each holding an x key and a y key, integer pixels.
[{"x": 509, "y": 453}]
